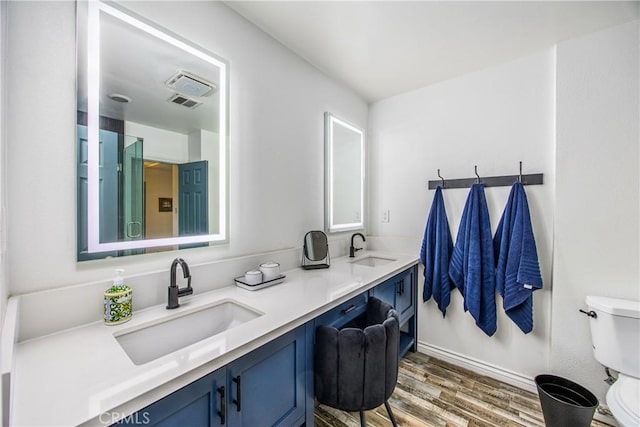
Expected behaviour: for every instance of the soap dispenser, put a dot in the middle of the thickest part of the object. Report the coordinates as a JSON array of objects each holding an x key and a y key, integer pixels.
[{"x": 118, "y": 301}]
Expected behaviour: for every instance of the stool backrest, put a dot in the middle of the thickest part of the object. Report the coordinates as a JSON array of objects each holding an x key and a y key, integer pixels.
[{"x": 357, "y": 369}]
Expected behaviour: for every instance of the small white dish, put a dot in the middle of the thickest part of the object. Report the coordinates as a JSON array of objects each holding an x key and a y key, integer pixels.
[
  {"x": 253, "y": 277},
  {"x": 270, "y": 270}
]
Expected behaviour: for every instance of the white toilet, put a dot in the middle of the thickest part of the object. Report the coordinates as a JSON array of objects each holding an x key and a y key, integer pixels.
[{"x": 615, "y": 334}]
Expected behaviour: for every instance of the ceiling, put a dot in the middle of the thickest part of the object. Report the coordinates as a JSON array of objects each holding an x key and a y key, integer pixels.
[
  {"x": 383, "y": 48},
  {"x": 137, "y": 64}
]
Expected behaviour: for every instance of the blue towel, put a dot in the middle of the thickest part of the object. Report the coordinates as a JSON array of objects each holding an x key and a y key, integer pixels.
[
  {"x": 435, "y": 255},
  {"x": 472, "y": 268},
  {"x": 517, "y": 268}
]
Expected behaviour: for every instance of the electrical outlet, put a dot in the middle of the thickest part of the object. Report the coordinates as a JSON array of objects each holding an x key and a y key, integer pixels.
[{"x": 385, "y": 215}]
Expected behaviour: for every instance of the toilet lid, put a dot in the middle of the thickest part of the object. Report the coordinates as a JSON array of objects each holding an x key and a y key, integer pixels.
[{"x": 623, "y": 399}]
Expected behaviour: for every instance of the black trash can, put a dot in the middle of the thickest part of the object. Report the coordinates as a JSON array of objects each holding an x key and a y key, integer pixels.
[{"x": 565, "y": 403}]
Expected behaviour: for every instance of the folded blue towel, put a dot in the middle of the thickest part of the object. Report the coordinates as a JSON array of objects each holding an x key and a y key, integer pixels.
[
  {"x": 472, "y": 268},
  {"x": 517, "y": 267},
  {"x": 435, "y": 254}
]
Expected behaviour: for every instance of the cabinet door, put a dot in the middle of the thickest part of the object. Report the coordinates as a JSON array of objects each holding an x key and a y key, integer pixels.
[
  {"x": 405, "y": 296},
  {"x": 386, "y": 291},
  {"x": 197, "y": 404},
  {"x": 267, "y": 386}
]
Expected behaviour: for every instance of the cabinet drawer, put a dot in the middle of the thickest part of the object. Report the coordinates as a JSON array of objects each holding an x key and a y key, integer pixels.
[{"x": 345, "y": 312}]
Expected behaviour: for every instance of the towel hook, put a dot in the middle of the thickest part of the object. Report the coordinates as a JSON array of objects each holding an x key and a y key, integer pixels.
[
  {"x": 520, "y": 175},
  {"x": 440, "y": 176},
  {"x": 475, "y": 169}
]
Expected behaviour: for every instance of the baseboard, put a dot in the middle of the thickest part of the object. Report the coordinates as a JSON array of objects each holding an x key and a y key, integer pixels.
[{"x": 479, "y": 367}]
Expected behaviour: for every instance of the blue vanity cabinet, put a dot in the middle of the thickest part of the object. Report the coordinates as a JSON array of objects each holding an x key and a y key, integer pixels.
[
  {"x": 201, "y": 403},
  {"x": 386, "y": 291},
  {"x": 267, "y": 387},
  {"x": 345, "y": 312},
  {"x": 273, "y": 385},
  {"x": 406, "y": 295},
  {"x": 400, "y": 292}
]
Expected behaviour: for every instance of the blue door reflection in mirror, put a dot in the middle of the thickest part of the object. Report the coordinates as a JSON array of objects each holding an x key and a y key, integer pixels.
[
  {"x": 344, "y": 175},
  {"x": 194, "y": 205}
]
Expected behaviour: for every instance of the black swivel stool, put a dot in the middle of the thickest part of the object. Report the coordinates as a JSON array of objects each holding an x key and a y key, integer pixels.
[{"x": 356, "y": 368}]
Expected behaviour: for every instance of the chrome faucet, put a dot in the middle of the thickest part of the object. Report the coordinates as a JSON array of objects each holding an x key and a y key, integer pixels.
[
  {"x": 174, "y": 291},
  {"x": 353, "y": 249}
]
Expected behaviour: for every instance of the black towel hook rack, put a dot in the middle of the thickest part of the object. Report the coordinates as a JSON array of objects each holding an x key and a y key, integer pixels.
[
  {"x": 487, "y": 181},
  {"x": 440, "y": 176},
  {"x": 520, "y": 174}
]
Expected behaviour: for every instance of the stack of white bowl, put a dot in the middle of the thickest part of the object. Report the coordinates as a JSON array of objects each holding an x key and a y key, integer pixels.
[{"x": 268, "y": 271}]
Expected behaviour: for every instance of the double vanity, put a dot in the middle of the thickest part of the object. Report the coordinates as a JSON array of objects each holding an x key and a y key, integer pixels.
[
  {"x": 231, "y": 355},
  {"x": 228, "y": 356}
]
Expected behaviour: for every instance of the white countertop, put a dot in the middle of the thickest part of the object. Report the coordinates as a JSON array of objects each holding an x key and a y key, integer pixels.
[{"x": 83, "y": 376}]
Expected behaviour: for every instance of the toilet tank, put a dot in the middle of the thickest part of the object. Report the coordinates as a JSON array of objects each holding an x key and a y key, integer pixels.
[{"x": 615, "y": 333}]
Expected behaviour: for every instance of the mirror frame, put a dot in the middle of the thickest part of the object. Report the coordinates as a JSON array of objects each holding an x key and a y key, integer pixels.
[
  {"x": 330, "y": 226},
  {"x": 94, "y": 8},
  {"x": 310, "y": 240}
]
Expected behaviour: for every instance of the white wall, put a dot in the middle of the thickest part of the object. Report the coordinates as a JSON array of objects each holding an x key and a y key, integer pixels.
[
  {"x": 572, "y": 113},
  {"x": 277, "y": 101},
  {"x": 160, "y": 145},
  {"x": 598, "y": 183},
  {"x": 492, "y": 118},
  {"x": 158, "y": 183},
  {"x": 3, "y": 162},
  {"x": 4, "y": 413}
]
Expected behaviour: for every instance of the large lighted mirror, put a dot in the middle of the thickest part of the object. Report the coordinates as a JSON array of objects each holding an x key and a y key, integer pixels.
[
  {"x": 151, "y": 137},
  {"x": 344, "y": 175}
]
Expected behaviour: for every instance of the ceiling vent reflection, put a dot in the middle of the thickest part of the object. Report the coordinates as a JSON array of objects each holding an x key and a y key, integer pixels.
[{"x": 190, "y": 84}]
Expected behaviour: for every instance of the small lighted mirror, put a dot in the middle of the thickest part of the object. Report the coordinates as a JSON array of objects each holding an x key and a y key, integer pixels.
[
  {"x": 344, "y": 175},
  {"x": 151, "y": 137}
]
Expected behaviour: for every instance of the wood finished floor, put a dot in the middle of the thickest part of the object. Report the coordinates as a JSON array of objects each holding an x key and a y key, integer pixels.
[{"x": 431, "y": 392}]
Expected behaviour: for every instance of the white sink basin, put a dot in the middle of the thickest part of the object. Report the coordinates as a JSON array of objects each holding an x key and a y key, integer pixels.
[
  {"x": 372, "y": 261},
  {"x": 155, "y": 339}
]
